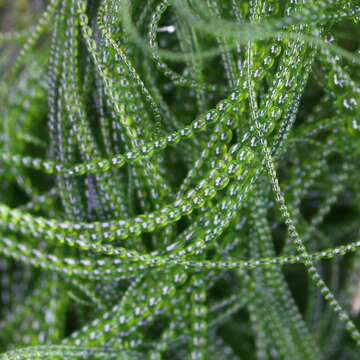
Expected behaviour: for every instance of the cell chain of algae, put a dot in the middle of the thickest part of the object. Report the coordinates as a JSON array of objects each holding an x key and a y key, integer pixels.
[{"x": 180, "y": 179}]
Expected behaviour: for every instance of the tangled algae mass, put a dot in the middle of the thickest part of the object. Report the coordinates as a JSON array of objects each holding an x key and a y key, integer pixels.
[{"x": 180, "y": 179}]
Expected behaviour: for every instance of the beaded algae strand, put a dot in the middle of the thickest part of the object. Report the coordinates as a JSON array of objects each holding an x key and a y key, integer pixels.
[{"x": 179, "y": 179}]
